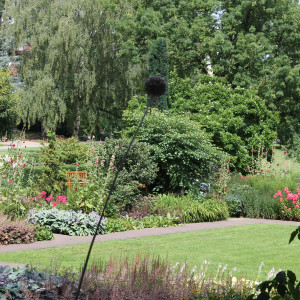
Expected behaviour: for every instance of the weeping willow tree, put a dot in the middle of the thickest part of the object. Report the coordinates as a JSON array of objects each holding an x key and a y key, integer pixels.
[{"x": 71, "y": 68}]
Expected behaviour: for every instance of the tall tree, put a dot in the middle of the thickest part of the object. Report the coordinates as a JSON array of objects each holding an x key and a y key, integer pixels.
[
  {"x": 72, "y": 69},
  {"x": 257, "y": 46},
  {"x": 158, "y": 66},
  {"x": 8, "y": 100}
]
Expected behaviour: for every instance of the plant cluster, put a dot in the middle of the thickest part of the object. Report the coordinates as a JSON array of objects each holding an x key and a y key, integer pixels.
[
  {"x": 189, "y": 210},
  {"x": 289, "y": 204},
  {"x": 128, "y": 223},
  {"x": 66, "y": 221},
  {"x": 15, "y": 232}
]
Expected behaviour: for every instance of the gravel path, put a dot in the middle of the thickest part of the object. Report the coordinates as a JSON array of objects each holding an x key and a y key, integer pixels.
[{"x": 64, "y": 240}]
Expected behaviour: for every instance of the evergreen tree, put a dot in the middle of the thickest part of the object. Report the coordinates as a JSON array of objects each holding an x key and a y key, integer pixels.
[{"x": 158, "y": 66}]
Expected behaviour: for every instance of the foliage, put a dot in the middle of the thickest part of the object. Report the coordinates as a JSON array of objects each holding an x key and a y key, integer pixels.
[
  {"x": 128, "y": 223},
  {"x": 257, "y": 46},
  {"x": 71, "y": 151},
  {"x": 43, "y": 233},
  {"x": 15, "y": 232},
  {"x": 181, "y": 149},
  {"x": 66, "y": 221},
  {"x": 8, "y": 101},
  {"x": 208, "y": 211},
  {"x": 26, "y": 283},
  {"x": 190, "y": 210},
  {"x": 53, "y": 179},
  {"x": 236, "y": 119},
  {"x": 283, "y": 286},
  {"x": 158, "y": 66},
  {"x": 71, "y": 71},
  {"x": 138, "y": 169}
]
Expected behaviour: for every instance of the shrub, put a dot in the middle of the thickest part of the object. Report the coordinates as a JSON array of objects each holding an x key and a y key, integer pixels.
[
  {"x": 53, "y": 178},
  {"x": 15, "y": 232},
  {"x": 43, "y": 233},
  {"x": 66, "y": 221},
  {"x": 179, "y": 146},
  {"x": 71, "y": 151},
  {"x": 190, "y": 210},
  {"x": 237, "y": 119},
  {"x": 208, "y": 211},
  {"x": 138, "y": 169}
]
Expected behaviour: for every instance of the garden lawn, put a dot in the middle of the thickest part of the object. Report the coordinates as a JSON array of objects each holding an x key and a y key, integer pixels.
[
  {"x": 243, "y": 247},
  {"x": 33, "y": 152}
]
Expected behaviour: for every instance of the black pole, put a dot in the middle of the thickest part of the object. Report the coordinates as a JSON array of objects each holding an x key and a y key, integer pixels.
[{"x": 109, "y": 194}]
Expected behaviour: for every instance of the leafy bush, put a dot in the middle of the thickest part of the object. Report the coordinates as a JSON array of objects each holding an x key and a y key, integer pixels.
[
  {"x": 15, "y": 232},
  {"x": 179, "y": 146},
  {"x": 190, "y": 210},
  {"x": 43, "y": 233},
  {"x": 53, "y": 178},
  {"x": 71, "y": 151},
  {"x": 66, "y": 221},
  {"x": 138, "y": 169},
  {"x": 236, "y": 119},
  {"x": 128, "y": 223},
  {"x": 208, "y": 211}
]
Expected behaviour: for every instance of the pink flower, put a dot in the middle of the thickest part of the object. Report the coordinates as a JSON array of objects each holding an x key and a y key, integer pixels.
[
  {"x": 13, "y": 145},
  {"x": 19, "y": 156},
  {"x": 117, "y": 146},
  {"x": 49, "y": 198},
  {"x": 37, "y": 197},
  {"x": 297, "y": 206},
  {"x": 252, "y": 150},
  {"x": 54, "y": 204},
  {"x": 285, "y": 207},
  {"x": 10, "y": 181},
  {"x": 43, "y": 194},
  {"x": 243, "y": 177},
  {"x": 280, "y": 199},
  {"x": 93, "y": 136},
  {"x": 113, "y": 156},
  {"x": 24, "y": 166},
  {"x": 290, "y": 208},
  {"x": 100, "y": 143},
  {"x": 77, "y": 164}
]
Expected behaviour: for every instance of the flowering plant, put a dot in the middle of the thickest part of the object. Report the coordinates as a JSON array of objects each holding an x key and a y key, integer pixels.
[
  {"x": 289, "y": 204},
  {"x": 44, "y": 199}
]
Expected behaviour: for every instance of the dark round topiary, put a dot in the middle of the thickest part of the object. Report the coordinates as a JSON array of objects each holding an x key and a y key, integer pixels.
[{"x": 155, "y": 86}]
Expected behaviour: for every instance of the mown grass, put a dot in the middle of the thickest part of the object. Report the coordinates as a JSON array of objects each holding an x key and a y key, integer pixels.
[{"x": 243, "y": 247}]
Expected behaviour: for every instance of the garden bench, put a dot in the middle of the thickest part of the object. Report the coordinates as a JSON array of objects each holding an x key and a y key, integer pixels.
[{"x": 76, "y": 176}]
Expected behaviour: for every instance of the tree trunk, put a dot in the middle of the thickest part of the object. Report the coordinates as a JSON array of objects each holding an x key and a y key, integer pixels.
[{"x": 76, "y": 124}]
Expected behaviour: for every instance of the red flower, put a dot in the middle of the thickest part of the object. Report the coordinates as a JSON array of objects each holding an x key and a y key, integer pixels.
[
  {"x": 277, "y": 165},
  {"x": 13, "y": 145},
  {"x": 75, "y": 189},
  {"x": 10, "y": 181},
  {"x": 284, "y": 152},
  {"x": 77, "y": 164},
  {"x": 54, "y": 204},
  {"x": 252, "y": 150}
]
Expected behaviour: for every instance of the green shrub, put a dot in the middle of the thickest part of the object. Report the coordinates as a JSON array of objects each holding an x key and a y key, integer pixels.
[
  {"x": 236, "y": 119},
  {"x": 53, "y": 178},
  {"x": 208, "y": 211},
  {"x": 43, "y": 233},
  {"x": 66, "y": 221},
  {"x": 190, "y": 210},
  {"x": 15, "y": 232},
  {"x": 71, "y": 151},
  {"x": 128, "y": 223},
  {"x": 138, "y": 169},
  {"x": 179, "y": 146}
]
